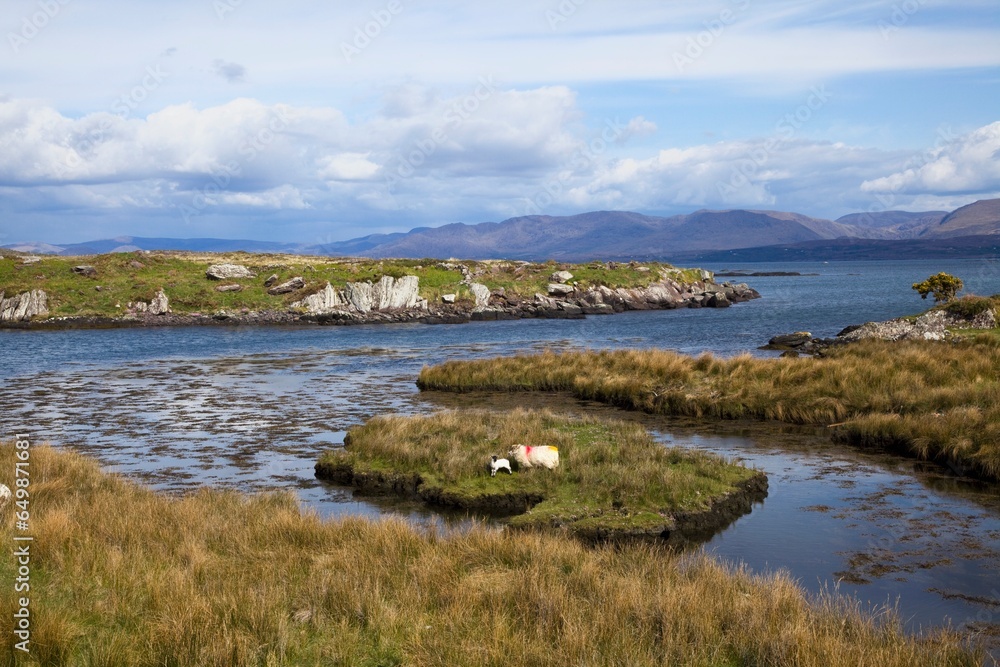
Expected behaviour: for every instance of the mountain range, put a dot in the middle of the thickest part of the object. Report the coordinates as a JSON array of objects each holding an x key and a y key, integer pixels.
[{"x": 739, "y": 235}]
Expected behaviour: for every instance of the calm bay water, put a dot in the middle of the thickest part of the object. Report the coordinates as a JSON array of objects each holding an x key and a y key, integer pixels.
[{"x": 252, "y": 408}]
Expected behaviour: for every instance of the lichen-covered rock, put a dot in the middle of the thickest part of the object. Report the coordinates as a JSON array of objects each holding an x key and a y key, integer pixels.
[
  {"x": 160, "y": 305},
  {"x": 228, "y": 272},
  {"x": 558, "y": 289},
  {"x": 234, "y": 287},
  {"x": 23, "y": 306},
  {"x": 85, "y": 270}
]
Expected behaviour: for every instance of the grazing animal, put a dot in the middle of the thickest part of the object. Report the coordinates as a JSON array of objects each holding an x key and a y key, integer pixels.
[
  {"x": 5, "y": 495},
  {"x": 529, "y": 457},
  {"x": 496, "y": 465}
]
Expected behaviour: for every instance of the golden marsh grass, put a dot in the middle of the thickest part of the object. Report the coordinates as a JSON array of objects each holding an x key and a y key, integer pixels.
[
  {"x": 123, "y": 576},
  {"x": 932, "y": 400}
]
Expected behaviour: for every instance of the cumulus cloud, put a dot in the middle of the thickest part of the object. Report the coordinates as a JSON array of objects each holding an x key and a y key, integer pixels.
[
  {"x": 966, "y": 164},
  {"x": 427, "y": 158}
]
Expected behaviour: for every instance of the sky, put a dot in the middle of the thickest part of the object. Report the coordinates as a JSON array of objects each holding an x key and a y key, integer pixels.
[{"x": 313, "y": 122}]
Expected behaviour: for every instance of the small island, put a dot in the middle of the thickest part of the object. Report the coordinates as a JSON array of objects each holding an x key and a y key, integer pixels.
[
  {"x": 613, "y": 481},
  {"x": 183, "y": 288}
]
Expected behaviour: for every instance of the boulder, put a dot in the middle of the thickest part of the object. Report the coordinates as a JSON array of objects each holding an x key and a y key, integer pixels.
[
  {"x": 24, "y": 306},
  {"x": 561, "y": 277},
  {"x": 85, "y": 270},
  {"x": 448, "y": 298},
  {"x": 481, "y": 293},
  {"x": 159, "y": 305},
  {"x": 228, "y": 272},
  {"x": 31, "y": 259},
  {"x": 789, "y": 341},
  {"x": 136, "y": 265},
  {"x": 270, "y": 281},
  {"x": 718, "y": 300},
  {"x": 286, "y": 287},
  {"x": 235, "y": 287},
  {"x": 557, "y": 289}
]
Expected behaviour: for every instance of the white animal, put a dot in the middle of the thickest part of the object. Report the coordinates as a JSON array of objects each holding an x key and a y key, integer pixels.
[
  {"x": 529, "y": 457},
  {"x": 5, "y": 495},
  {"x": 499, "y": 464}
]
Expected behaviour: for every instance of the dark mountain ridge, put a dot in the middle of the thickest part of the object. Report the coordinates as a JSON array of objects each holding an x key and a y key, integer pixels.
[{"x": 629, "y": 235}]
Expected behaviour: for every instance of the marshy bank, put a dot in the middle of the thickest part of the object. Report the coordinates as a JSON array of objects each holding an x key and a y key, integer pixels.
[
  {"x": 218, "y": 578},
  {"x": 937, "y": 401}
]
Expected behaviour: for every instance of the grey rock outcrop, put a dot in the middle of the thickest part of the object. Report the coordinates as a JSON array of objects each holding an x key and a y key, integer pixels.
[
  {"x": 228, "y": 272},
  {"x": 85, "y": 270},
  {"x": 160, "y": 305},
  {"x": 288, "y": 286},
  {"x": 323, "y": 301},
  {"x": 388, "y": 294},
  {"x": 235, "y": 287},
  {"x": 448, "y": 298},
  {"x": 23, "y": 306},
  {"x": 271, "y": 280},
  {"x": 481, "y": 293},
  {"x": 929, "y": 326},
  {"x": 559, "y": 289},
  {"x": 984, "y": 320}
]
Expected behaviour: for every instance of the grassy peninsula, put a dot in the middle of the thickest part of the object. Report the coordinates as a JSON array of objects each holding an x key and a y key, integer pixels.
[
  {"x": 124, "y": 576},
  {"x": 613, "y": 481},
  {"x": 119, "y": 279},
  {"x": 932, "y": 400}
]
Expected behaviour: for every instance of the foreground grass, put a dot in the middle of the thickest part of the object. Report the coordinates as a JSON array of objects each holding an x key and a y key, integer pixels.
[
  {"x": 138, "y": 276},
  {"x": 931, "y": 400},
  {"x": 122, "y": 576},
  {"x": 613, "y": 478}
]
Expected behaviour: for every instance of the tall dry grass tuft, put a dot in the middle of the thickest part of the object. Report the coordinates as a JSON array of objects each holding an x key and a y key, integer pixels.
[
  {"x": 932, "y": 400},
  {"x": 122, "y": 576}
]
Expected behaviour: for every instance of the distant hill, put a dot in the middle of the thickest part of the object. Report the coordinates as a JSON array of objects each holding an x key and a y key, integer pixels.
[
  {"x": 133, "y": 243},
  {"x": 613, "y": 235},
  {"x": 959, "y": 247},
  {"x": 628, "y": 235},
  {"x": 982, "y": 217},
  {"x": 897, "y": 224}
]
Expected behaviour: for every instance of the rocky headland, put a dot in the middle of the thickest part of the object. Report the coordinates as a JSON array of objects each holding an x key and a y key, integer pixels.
[{"x": 191, "y": 292}]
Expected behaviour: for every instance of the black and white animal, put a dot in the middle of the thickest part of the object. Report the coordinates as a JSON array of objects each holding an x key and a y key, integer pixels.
[{"x": 496, "y": 465}]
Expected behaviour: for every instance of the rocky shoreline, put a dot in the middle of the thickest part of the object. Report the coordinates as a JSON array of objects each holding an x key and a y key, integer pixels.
[
  {"x": 397, "y": 301},
  {"x": 932, "y": 325}
]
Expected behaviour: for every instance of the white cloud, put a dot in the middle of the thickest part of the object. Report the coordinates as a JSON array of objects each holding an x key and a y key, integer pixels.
[{"x": 970, "y": 163}]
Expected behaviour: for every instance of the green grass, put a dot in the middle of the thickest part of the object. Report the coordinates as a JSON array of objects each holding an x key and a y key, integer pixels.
[
  {"x": 123, "y": 576},
  {"x": 937, "y": 401},
  {"x": 612, "y": 475},
  {"x": 182, "y": 276}
]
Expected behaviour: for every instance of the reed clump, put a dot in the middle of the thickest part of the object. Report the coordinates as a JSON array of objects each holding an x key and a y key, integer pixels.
[
  {"x": 933, "y": 400},
  {"x": 123, "y": 576}
]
